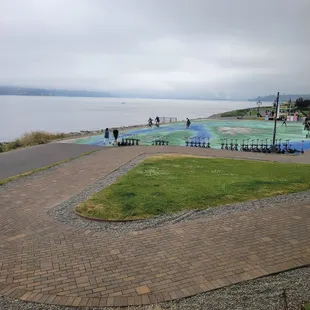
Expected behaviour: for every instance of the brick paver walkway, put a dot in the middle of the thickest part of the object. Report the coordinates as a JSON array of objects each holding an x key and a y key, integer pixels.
[{"x": 43, "y": 260}]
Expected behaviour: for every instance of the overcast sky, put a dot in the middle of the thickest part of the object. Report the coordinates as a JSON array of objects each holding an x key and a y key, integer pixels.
[{"x": 236, "y": 47}]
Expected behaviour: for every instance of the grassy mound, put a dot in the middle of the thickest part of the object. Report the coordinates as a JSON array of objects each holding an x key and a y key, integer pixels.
[
  {"x": 31, "y": 138},
  {"x": 163, "y": 185}
]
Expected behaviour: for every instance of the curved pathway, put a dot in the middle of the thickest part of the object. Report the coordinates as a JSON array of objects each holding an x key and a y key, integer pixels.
[
  {"x": 43, "y": 260},
  {"x": 34, "y": 157}
]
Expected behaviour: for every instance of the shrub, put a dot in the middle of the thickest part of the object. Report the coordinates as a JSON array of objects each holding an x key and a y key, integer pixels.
[
  {"x": 29, "y": 139},
  {"x": 12, "y": 145},
  {"x": 302, "y": 103},
  {"x": 38, "y": 137},
  {"x": 235, "y": 113}
]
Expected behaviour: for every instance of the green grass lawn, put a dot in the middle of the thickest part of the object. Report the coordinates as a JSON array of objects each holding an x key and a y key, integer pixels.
[
  {"x": 307, "y": 306},
  {"x": 244, "y": 112},
  {"x": 169, "y": 184}
]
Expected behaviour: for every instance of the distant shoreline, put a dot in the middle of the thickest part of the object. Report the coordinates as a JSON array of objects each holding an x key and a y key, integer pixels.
[
  {"x": 6, "y": 90},
  {"x": 127, "y": 97}
]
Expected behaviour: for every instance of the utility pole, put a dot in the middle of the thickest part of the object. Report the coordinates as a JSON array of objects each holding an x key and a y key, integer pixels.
[{"x": 275, "y": 123}]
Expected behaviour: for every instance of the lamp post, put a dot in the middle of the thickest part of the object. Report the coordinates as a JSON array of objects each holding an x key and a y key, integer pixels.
[
  {"x": 273, "y": 148},
  {"x": 259, "y": 103}
]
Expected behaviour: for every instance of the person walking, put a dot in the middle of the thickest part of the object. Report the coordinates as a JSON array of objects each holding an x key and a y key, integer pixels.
[
  {"x": 157, "y": 121},
  {"x": 150, "y": 122},
  {"x": 115, "y": 134},
  {"x": 284, "y": 121},
  {"x": 188, "y": 123},
  {"x": 106, "y": 136}
]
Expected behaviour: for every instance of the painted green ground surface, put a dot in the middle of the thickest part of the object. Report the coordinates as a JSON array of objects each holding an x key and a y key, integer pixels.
[
  {"x": 241, "y": 130},
  {"x": 175, "y": 183}
]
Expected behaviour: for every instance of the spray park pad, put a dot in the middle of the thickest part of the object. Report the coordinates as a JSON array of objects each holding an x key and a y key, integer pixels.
[{"x": 215, "y": 129}]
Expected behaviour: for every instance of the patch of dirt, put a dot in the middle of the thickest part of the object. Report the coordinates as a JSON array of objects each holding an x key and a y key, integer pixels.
[{"x": 235, "y": 130}]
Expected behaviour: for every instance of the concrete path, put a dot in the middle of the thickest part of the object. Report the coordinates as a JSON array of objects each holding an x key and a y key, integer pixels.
[
  {"x": 43, "y": 260},
  {"x": 27, "y": 159}
]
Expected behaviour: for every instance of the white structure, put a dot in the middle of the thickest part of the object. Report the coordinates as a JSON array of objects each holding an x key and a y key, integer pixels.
[
  {"x": 259, "y": 103},
  {"x": 278, "y": 111}
]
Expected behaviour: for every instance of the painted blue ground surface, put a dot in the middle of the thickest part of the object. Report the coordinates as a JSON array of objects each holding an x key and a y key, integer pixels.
[{"x": 216, "y": 130}]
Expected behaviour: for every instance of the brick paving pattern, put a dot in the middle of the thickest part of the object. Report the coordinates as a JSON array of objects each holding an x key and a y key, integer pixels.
[{"x": 43, "y": 260}]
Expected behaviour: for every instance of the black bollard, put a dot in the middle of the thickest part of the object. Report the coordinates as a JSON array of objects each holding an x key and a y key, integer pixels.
[
  {"x": 226, "y": 145},
  {"x": 236, "y": 145},
  {"x": 242, "y": 146},
  {"x": 222, "y": 144},
  {"x": 204, "y": 142},
  {"x": 196, "y": 144},
  {"x": 231, "y": 147}
]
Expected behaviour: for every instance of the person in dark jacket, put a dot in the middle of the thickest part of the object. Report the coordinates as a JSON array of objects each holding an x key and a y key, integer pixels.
[
  {"x": 115, "y": 134},
  {"x": 188, "y": 123},
  {"x": 106, "y": 136},
  {"x": 157, "y": 121}
]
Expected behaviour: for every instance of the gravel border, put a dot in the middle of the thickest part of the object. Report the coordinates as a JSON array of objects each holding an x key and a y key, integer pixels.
[
  {"x": 265, "y": 293},
  {"x": 64, "y": 212}
]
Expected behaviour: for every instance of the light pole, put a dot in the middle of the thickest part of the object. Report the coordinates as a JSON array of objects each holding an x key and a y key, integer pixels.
[
  {"x": 275, "y": 124},
  {"x": 259, "y": 103}
]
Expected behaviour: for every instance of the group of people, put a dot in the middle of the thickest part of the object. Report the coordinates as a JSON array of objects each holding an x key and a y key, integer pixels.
[
  {"x": 107, "y": 135},
  {"x": 157, "y": 121},
  {"x": 150, "y": 122}
]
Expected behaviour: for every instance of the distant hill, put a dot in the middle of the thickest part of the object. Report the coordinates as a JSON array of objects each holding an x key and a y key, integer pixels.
[
  {"x": 283, "y": 97},
  {"x": 35, "y": 91},
  {"x": 26, "y": 91}
]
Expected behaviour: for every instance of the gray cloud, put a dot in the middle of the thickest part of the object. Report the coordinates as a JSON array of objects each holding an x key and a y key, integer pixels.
[{"x": 238, "y": 47}]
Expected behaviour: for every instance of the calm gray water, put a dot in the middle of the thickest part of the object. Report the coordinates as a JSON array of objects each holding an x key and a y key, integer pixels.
[{"x": 64, "y": 114}]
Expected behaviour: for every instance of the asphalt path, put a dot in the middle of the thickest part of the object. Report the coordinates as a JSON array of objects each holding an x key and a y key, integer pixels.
[{"x": 24, "y": 160}]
